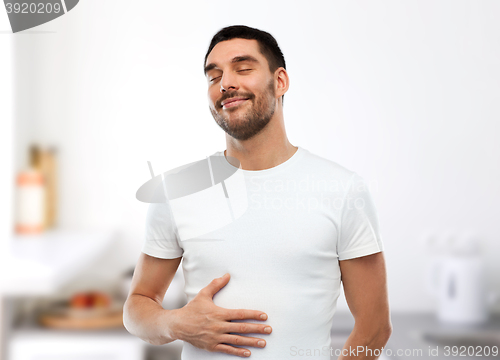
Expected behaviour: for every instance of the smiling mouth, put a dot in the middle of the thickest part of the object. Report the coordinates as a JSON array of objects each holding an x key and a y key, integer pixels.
[{"x": 233, "y": 103}]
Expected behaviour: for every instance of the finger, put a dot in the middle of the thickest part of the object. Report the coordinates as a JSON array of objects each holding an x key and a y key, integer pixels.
[
  {"x": 246, "y": 328},
  {"x": 243, "y": 340},
  {"x": 244, "y": 314},
  {"x": 231, "y": 350},
  {"x": 215, "y": 285}
]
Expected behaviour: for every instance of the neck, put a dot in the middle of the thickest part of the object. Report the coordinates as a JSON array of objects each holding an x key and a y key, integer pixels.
[{"x": 267, "y": 149}]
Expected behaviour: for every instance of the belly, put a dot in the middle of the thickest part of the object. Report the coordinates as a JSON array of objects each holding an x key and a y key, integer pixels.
[{"x": 286, "y": 269}]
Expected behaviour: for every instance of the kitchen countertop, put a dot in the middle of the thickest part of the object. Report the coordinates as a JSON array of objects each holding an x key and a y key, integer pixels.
[
  {"x": 406, "y": 336},
  {"x": 408, "y": 329},
  {"x": 40, "y": 264}
]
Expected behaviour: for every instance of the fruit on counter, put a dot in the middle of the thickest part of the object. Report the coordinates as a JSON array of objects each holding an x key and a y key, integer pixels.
[
  {"x": 79, "y": 301},
  {"x": 90, "y": 299},
  {"x": 100, "y": 299}
]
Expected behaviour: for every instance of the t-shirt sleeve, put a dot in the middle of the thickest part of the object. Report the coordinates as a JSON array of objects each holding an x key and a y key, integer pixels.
[
  {"x": 359, "y": 233},
  {"x": 161, "y": 236}
]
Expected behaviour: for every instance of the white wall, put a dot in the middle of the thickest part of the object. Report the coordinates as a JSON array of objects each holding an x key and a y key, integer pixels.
[
  {"x": 404, "y": 93},
  {"x": 6, "y": 158},
  {"x": 6, "y": 132}
]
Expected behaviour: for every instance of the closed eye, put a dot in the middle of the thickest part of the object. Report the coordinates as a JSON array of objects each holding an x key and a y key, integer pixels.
[{"x": 215, "y": 78}]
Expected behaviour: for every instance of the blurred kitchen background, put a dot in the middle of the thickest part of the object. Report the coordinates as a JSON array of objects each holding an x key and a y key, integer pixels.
[{"x": 404, "y": 93}]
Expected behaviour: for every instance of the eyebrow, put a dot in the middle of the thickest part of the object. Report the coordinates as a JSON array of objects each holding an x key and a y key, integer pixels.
[{"x": 236, "y": 59}]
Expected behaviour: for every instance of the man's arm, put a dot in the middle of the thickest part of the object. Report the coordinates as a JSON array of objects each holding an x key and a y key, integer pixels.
[
  {"x": 365, "y": 288},
  {"x": 200, "y": 322},
  {"x": 143, "y": 314}
]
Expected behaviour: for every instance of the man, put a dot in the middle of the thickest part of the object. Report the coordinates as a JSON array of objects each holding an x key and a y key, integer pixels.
[{"x": 269, "y": 286}]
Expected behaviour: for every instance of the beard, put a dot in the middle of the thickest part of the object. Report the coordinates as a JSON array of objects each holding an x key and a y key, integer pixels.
[{"x": 248, "y": 124}]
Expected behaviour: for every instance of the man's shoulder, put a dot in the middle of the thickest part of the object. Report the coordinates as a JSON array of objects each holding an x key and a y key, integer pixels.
[{"x": 321, "y": 165}]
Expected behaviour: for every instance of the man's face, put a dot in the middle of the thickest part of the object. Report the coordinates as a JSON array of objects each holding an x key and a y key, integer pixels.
[{"x": 235, "y": 69}]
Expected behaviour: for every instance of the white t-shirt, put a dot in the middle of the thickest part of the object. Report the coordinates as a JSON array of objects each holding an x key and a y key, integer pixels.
[{"x": 289, "y": 227}]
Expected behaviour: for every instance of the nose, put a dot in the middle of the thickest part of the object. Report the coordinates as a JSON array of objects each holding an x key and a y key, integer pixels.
[{"x": 228, "y": 82}]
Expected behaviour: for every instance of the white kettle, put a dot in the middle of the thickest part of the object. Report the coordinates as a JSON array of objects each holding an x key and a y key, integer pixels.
[
  {"x": 457, "y": 278},
  {"x": 461, "y": 290}
]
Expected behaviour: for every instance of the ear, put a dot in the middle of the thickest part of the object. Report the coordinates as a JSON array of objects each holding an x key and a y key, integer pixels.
[{"x": 282, "y": 81}]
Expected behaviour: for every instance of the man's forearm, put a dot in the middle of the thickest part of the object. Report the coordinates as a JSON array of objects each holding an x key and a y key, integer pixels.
[
  {"x": 146, "y": 319},
  {"x": 360, "y": 346}
]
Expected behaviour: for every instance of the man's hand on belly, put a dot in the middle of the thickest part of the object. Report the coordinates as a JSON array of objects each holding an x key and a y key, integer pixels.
[{"x": 208, "y": 326}]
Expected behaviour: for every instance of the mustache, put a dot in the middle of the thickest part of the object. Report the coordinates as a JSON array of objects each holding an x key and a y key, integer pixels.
[{"x": 233, "y": 95}]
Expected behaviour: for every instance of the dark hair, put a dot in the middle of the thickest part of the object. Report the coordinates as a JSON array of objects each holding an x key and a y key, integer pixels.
[{"x": 268, "y": 45}]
